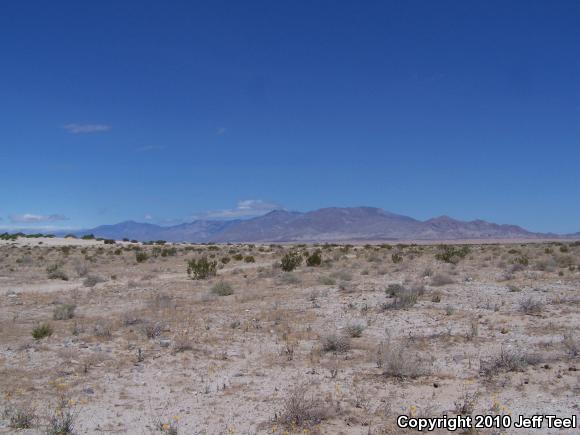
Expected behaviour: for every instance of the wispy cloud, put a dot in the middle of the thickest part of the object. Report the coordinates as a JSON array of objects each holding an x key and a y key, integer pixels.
[
  {"x": 36, "y": 218},
  {"x": 221, "y": 131},
  {"x": 244, "y": 208},
  {"x": 86, "y": 128}
]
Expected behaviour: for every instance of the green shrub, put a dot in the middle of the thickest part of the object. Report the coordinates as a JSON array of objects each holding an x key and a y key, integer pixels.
[
  {"x": 201, "y": 268},
  {"x": 290, "y": 261},
  {"x": 225, "y": 260},
  {"x": 141, "y": 256},
  {"x": 238, "y": 257},
  {"x": 249, "y": 259},
  {"x": 314, "y": 259},
  {"x": 41, "y": 331},
  {"x": 452, "y": 254},
  {"x": 397, "y": 258}
]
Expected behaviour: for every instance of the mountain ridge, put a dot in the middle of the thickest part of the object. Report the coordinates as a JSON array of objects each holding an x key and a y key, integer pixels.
[{"x": 331, "y": 224}]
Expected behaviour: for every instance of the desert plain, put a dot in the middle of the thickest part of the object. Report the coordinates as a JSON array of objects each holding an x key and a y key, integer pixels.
[{"x": 118, "y": 337}]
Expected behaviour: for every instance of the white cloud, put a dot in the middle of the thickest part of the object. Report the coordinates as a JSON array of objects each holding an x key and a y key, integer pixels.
[
  {"x": 148, "y": 217},
  {"x": 244, "y": 208},
  {"x": 86, "y": 128},
  {"x": 220, "y": 131},
  {"x": 35, "y": 218}
]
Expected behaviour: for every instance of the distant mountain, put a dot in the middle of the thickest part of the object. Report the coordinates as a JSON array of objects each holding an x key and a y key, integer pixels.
[{"x": 324, "y": 225}]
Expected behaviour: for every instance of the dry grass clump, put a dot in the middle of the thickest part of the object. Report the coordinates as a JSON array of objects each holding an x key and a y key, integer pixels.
[
  {"x": 63, "y": 419},
  {"x": 531, "y": 306},
  {"x": 64, "y": 312},
  {"x": 55, "y": 272},
  {"x": 326, "y": 280},
  {"x": 41, "y": 331},
  {"x": 335, "y": 343},
  {"x": 182, "y": 342},
  {"x": 354, "y": 330},
  {"x": 222, "y": 288},
  {"x": 507, "y": 361},
  {"x": 571, "y": 344},
  {"x": 93, "y": 280},
  {"x": 300, "y": 410},
  {"x": 403, "y": 297},
  {"x": 152, "y": 329},
  {"x": 440, "y": 279},
  {"x": 400, "y": 362},
  {"x": 22, "y": 417},
  {"x": 289, "y": 278}
]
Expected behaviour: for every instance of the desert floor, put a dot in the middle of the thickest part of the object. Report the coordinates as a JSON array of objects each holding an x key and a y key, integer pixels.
[{"x": 344, "y": 347}]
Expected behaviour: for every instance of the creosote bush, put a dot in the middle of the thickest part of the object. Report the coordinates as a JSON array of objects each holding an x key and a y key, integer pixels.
[
  {"x": 452, "y": 254},
  {"x": 290, "y": 261},
  {"x": 314, "y": 259},
  {"x": 201, "y": 268},
  {"x": 141, "y": 256}
]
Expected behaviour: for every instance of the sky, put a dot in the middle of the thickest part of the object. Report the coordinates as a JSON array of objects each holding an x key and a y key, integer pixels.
[{"x": 165, "y": 112}]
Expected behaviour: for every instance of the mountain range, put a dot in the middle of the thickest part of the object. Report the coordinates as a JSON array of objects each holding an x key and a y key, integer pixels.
[{"x": 323, "y": 225}]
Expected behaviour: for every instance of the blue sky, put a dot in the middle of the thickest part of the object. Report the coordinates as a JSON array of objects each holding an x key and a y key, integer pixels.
[{"x": 167, "y": 111}]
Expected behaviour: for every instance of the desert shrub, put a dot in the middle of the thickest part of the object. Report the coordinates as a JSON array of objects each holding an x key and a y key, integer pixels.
[
  {"x": 397, "y": 258},
  {"x": 290, "y": 261},
  {"x": 354, "y": 330},
  {"x": 326, "y": 280},
  {"x": 152, "y": 329},
  {"x": 222, "y": 288},
  {"x": 400, "y": 362},
  {"x": 522, "y": 260},
  {"x": 238, "y": 257},
  {"x": 289, "y": 278},
  {"x": 20, "y": 417},
  {"x": 531, "y": 306},
  {"x": 466, "y": 403},
  {"x": 201, "y": 268},
  {"x": 169, "y": 252},
  {"x": 441, "y": 279},
  {"x": 225, "y": 260},
  {"x": 41, "y": 331},
  {"x": 452, "y": 254},
  {"x": 564, "y": 248},
  {"x": 93, "y": 280},
  {"x": 88, "y": 237},
  {"x": 63, "y": 420},
  {"x": 314, "y": 259},
  {"x": 249, "y": 259},
  {"x": 55, "y": 272},
  {"x": 141, "y": 256},
  {"x": 301, "y": 410},
  {"x": 182, "y": 342},
  {"x": 405, "y": 298},
  {"x": 64, "y": 312},
  {"x": 571, "y": 344},
  {"x": 394, "y": 289},
  {"x": 514, "y": 288},
  {"x": 103, "y": 329},
  {"x": 507, "y": 361},
  {"x": 342, "y": 275},
  {"x": 335, "y": 343}
]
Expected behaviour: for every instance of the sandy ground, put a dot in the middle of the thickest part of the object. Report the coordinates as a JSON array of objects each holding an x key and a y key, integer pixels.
[{"x": 330, "y": 349}]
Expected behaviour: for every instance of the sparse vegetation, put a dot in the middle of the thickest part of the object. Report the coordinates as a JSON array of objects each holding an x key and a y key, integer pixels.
[
  {"x": 201, "y": 268},
  {"x": 42, "y": 331}
]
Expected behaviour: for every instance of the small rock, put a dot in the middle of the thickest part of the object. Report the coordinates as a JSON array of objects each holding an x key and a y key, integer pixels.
[{"x": 164, "y": 342}]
